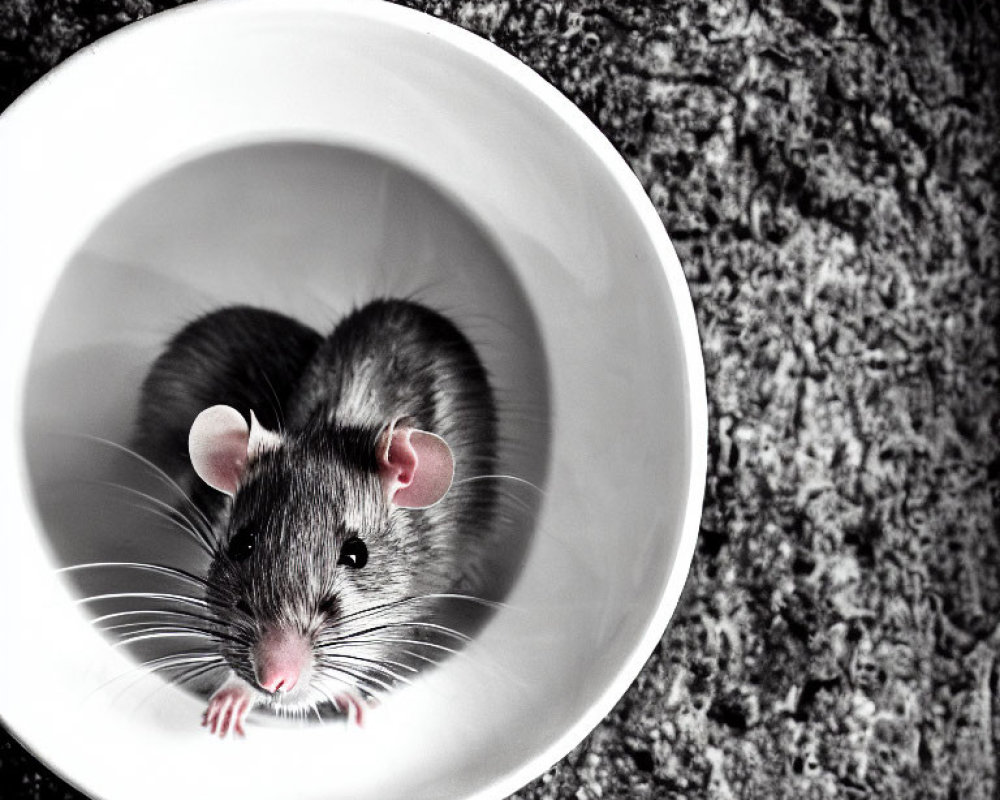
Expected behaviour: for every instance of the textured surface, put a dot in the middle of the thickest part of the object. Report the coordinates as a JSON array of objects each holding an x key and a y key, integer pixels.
[{"x": 828, "y": 173}]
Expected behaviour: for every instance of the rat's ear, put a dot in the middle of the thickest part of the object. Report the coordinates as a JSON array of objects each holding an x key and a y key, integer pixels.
[
  {"x": 415, "y": 467},
  {"x": 221, "y": 446}
]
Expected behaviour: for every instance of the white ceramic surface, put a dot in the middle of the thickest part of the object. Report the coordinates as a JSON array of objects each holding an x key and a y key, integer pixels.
[{"x": 305, "y": 154}]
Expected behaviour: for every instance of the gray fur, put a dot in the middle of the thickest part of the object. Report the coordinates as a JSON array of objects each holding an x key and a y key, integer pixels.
[{"x": 300, "y": 502}]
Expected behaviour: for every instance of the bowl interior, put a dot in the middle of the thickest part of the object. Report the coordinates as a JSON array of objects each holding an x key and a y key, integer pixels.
[
  {"x": 311, "y": 230},
  {"x": 307, "y": 157}
]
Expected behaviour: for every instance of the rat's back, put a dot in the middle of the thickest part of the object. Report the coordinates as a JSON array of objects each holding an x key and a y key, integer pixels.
[{"x": 396, "y": 359}]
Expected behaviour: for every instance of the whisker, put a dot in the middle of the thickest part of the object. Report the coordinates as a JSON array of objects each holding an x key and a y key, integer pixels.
[
  {"x": 373, "y": 611},
  {"x": 165, "y": 596},
  {"x": 150, "y": 611},
  {"x": 506, "y": 497},
  {"x": 432, "y": 626},
  {"x": 330, "y": 672},
  {"x": 156, "y": 470},
  {"x": 400, "y": 640},
  {"x": 515, "y": 478},
  {"x": 321, "y": 691},
  {"x": 179, "y": 660},
  {"x": 202, "y": 535},
  {"x": 176, "y": 522},
  {"x": 358, "y": 676},
  {"x": 153, "y": 666},
  {"x": 421, "y": 657},
  {"x": 345, "y": 708},
  {"x": 483, "y": 601},
  {"x": 345, "y": 635},
  {"x": 187, "y": 675},
  {"x": 148, "y": 627},
  {"x": 137, "y": 631},
  {"x": 364, "y": 678},
  {"x": 162, "y": 569},
  {"x": 274, "y": 401},
  {"x": 372, "y": 663},
  {"x": 194, "y": 672},
  {"x": 435, "y": 647},
  {"x": 163, "y": 635}
]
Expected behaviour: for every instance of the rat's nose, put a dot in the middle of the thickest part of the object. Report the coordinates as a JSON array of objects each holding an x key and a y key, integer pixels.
[
  {"x": 276, "y": 679},
  {"x": 280, "y": 658}
]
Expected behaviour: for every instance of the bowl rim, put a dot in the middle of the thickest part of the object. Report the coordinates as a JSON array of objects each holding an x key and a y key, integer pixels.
[{"x": 526, "y": 79}]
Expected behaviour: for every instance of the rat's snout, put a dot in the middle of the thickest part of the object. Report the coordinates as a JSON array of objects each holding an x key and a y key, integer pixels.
[{"x": 281, "y": 659}]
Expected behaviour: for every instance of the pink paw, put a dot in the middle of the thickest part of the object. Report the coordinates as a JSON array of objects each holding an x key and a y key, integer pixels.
[
  {"x": 353, "y": 706},
  {"x": 228, "y": 708}
]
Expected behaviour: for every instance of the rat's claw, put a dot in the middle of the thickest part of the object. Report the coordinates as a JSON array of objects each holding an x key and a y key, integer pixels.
[
  {"x": 240, "y": 711},
  {"x": 352, "y": 705},
  {"x": 228, "y": 709},
  {"x": 210, "y": 718},
  {"x": 240, "y": 716},
  {"x": 226, "y": 719}
]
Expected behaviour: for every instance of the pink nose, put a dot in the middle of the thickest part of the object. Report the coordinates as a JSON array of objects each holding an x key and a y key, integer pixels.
[
  {"x": 281, "y": 657},
  {"x": 276, "y": 679}
]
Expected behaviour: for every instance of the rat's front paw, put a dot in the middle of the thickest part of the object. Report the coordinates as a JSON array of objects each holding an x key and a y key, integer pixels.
[
  {"x": 228, "y": 708},
  {"x": 353, "y": 706}
]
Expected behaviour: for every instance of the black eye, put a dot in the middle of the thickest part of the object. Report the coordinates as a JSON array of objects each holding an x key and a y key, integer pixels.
[
  {"x": 353, "y": 553},
  {"x": 241, "y": 545}
]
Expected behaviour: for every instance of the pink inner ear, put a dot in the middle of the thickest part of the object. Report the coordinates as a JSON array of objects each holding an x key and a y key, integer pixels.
[
  {"x": 416, "y": 467},
  {"x": 217, "y": 444}
]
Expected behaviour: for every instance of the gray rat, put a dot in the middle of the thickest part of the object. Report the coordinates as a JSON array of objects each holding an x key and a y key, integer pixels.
[{"x": 343, "y": 498}]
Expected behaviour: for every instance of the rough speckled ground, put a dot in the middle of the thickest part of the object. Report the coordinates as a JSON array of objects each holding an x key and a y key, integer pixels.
[{"x": 828, "y": 172}]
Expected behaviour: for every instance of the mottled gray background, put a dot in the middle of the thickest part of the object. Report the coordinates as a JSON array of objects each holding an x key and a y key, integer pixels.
[{"x": 828, "y": 172}]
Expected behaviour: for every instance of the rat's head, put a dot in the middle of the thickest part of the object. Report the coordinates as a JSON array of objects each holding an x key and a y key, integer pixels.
[{"x": 320, "y": 554}]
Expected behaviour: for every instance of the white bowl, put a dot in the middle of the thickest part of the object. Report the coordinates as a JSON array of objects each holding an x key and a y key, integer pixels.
[{"x": 305, "y": 155}]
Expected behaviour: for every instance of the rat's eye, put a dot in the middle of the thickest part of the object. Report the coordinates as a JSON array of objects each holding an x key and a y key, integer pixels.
[
  {"x": 353, "y": 553},
  {"x": 241, "y": 545}
]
